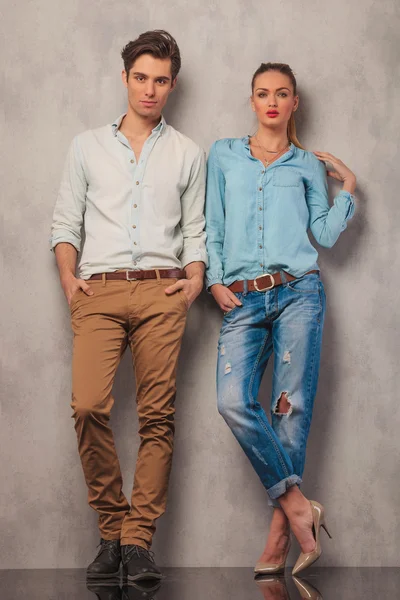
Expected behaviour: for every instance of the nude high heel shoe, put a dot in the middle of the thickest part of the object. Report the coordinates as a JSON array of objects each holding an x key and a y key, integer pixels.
[
  {"x": 307, "y": 591},
  {"x": 305, "y": 560},
  {"x": 273, "y": 587},
  {"x": 262, "y": 568}
]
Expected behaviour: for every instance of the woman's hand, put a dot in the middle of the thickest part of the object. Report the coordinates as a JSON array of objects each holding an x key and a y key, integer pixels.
[
  {"x": 341, "y": 172},
  {"x": 223, "y": 296}
]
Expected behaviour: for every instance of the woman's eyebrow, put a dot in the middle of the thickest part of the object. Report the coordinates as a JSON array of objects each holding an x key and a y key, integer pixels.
[{"x": 278, "y": 89}]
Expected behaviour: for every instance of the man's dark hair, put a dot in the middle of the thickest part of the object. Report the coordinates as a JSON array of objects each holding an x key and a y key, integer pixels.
[{"x": 157, "y": 43}]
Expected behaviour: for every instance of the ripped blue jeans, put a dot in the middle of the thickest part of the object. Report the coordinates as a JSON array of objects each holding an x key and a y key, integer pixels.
[{"x": 287, "y": 320}]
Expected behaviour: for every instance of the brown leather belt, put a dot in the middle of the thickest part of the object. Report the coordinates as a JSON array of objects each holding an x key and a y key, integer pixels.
[
  {"x": 264, "y": 282},
  {"x": 135, "y": 275}
]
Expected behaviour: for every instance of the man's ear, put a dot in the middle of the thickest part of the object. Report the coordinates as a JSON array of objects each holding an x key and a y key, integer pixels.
[
  {"x": 173, "y": 84},
  {"x": 124, "y": 76}
]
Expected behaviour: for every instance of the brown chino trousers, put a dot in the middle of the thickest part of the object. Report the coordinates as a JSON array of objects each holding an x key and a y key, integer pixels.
[{"x": 140, "y": 314}]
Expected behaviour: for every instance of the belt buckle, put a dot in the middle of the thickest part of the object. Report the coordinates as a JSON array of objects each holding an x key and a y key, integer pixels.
[
  {"x": 130, "y": 278},
  {"x": 266, "y": 288}
]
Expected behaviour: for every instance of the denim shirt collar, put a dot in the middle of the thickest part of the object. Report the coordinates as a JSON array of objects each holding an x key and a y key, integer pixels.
[{"x": 284, "y": 157}]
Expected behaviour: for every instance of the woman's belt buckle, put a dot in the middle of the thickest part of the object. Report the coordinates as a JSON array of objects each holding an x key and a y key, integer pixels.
[{"x": 265, "y": 289}]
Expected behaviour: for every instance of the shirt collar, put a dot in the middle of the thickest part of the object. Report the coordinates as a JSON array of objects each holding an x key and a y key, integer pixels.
[
  {"x": 158, "y": 128},
  {"x": 289, "y": 153}
]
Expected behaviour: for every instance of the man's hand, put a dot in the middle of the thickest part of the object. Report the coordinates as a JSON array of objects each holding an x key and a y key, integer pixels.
[
  {"x": 223, "y": 296},
  {"x": 191, "y": 288},
  {"x": 192, "y": 285},
  {"x": 70, "y": 284},
  {"x": 66, "y": 260}
]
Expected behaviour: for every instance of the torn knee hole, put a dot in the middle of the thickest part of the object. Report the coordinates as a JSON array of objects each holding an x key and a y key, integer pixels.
[{"x": 283, "y": 406}]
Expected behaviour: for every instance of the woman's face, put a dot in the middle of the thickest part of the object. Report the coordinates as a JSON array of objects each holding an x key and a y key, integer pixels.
[{"x": 273, "y": 100}]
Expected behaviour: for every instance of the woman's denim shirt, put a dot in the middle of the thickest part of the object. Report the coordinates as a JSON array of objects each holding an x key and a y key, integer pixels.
[{"x": 257, "y": 218}]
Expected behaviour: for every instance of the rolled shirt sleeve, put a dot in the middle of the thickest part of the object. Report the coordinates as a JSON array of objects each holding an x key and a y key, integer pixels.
[
  {"x": 215, "y": 218},
  {"x": 192, "y": 220},
  {"x": 70, "y": 204},
  {"x": 327, "y": 222}
]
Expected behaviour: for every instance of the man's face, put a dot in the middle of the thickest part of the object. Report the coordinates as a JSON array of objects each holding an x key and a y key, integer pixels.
[{"x": 149, "y": 85}]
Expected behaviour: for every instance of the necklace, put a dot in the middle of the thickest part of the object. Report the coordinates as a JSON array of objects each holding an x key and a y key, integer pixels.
[{"x": 277, "y": 152}]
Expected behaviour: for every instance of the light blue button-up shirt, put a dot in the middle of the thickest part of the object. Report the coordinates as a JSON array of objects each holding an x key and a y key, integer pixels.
[
  {"x": 135, "y": 215},
  {"x": 257, "y": 217}
]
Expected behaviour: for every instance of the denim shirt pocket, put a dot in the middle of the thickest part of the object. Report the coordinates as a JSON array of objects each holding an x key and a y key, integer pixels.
[{"x": 286, "y": 177}]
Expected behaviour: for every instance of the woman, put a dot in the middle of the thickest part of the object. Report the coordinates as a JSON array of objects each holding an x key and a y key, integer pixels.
[{"x": 263, "y": 194}]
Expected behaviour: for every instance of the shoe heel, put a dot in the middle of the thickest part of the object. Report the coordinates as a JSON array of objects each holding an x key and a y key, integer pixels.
[{"x": 324, "y": 526}]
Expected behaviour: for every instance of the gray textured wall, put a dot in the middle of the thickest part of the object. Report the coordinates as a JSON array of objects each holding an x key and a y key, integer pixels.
[{"x": 63, "y": 76}]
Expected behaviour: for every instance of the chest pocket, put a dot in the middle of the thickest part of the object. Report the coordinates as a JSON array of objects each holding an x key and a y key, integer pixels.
[{"x": 286, "y": 177}]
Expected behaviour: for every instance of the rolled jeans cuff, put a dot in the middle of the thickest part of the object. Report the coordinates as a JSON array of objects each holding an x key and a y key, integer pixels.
[{"x": 282, "y": 486}]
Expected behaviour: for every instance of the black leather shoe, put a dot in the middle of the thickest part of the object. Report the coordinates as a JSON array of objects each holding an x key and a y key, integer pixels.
[
  {"x": 104, "y": 591},
  {"x": 141, "y": 591},
  {"x": 138, "y": 563},
  {"x": 107, "y": 562}
]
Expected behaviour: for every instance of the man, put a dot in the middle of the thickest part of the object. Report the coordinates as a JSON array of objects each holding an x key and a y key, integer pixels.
[{"x": 136, "y": 188}]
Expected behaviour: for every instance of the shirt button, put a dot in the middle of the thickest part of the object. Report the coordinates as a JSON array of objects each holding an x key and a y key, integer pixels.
[
  {"x": 135, "y": 206},
  {"x": 137, "y": 183},
  {"x": 260, "y": 228},
  {"x": 260, "y": 189},
  {"x": 261, "y": 265},
  {"x": 132, "y": 161},
  {"x": 134, "y": 243},
  {"x": 133, "y": 226},
  {"x": 262, "y": 172},
  {"x": 260, "y": 208},
  {"x": 260, "y": 246},
  {"x": 134, "y": 262}
]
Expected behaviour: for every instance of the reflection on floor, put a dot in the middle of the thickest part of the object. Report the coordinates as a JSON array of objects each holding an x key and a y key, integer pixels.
[{"x": 206, "y": 584}]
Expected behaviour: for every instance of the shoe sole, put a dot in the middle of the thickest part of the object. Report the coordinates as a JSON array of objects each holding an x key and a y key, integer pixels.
[
  {"x": 98, "y": 586},
  {"x": 103, "y": 576},
  {"x": 143, "y": 577}
]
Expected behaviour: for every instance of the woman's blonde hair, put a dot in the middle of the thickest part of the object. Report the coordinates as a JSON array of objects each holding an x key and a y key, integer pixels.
[{"x": 286, "y": 70}]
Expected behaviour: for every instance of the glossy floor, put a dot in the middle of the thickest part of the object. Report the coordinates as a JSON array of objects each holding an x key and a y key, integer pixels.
[{"x": 207, "y": 584}]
